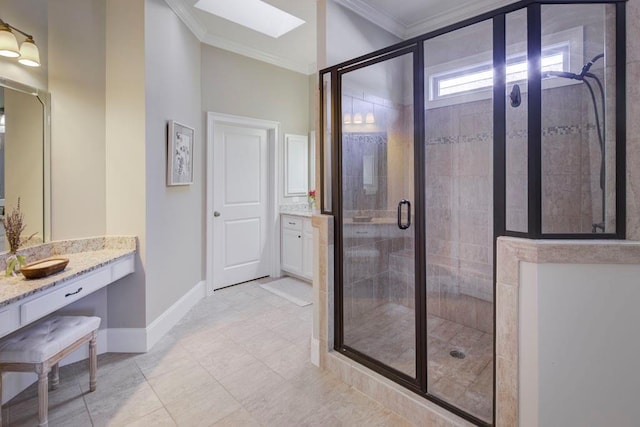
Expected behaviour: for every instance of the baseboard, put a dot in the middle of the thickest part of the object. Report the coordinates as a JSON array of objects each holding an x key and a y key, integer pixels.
[
  {"x": 315, "y": 351},
  {"x": 167, "y": 320},
  {"x": 116, "y": 340}
]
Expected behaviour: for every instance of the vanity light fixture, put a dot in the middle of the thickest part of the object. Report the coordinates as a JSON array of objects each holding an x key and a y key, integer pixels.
[
  {"x": 27, "y": 54},
  {"x": 370, "y": 118},
  {"x": 357, "y": 118},
  {"x": 347, "y": 119}
]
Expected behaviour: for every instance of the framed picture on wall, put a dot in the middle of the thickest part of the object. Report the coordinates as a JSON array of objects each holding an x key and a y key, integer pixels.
[{"x": 179, "y": 154}]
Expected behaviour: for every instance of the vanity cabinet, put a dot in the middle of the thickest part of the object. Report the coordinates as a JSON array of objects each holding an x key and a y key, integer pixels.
[{"x": 296, "y": 246}]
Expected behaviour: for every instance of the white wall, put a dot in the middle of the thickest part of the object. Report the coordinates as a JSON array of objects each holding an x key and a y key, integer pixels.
[
  {"x": 235, "y": 84},
  {"x": 348, "y": 35},
  {"x": 579, "y": 345},
  {"x": 175, "y": 215}
]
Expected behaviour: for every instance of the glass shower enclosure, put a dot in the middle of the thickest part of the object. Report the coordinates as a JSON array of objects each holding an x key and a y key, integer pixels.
[{"x": 508, "y": 124}]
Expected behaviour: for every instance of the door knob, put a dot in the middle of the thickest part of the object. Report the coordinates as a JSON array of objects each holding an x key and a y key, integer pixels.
[{"x": 216, "y": 214}]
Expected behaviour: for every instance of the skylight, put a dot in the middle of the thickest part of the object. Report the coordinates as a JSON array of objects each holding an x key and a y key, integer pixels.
[{"x": 254, "y": 14}]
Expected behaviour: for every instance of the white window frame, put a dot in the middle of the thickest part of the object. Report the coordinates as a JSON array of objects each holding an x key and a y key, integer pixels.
[{"x": 570, "y": 41}]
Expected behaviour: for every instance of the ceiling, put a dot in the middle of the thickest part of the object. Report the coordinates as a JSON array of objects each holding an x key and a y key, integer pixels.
[{"x": 297, "y": 50}]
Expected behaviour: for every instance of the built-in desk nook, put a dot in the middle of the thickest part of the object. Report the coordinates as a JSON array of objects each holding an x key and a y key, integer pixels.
[{"x": 93, "y": 264}]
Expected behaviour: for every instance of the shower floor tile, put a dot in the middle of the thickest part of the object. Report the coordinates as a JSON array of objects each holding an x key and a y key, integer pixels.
[{"x": 387, "y": 334}]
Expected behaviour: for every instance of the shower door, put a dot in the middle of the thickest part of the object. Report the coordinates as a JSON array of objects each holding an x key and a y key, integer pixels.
[{"x": 378, "y": 220}]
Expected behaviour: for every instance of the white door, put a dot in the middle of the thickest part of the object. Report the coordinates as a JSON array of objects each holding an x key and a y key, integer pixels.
[{"x": 240, "y": 204}]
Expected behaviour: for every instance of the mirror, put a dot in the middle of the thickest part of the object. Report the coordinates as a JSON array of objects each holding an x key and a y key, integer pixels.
[
  {"x": 296, "y": 178},
  {"x": 24, "y": 157}
]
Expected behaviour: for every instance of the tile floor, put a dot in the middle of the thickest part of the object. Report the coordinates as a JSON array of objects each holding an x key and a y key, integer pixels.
[
  {"x": 239, "y": 358},
  {"x": 387, "y": 333}
]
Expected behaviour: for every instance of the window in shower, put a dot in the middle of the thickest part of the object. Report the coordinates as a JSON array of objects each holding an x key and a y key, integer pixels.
[{"x": 480, "y": 77}]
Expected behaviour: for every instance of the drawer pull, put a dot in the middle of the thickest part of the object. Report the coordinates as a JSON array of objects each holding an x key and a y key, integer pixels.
[
  {"x": 361, "y": 232},
  {"x": 292, "y": 223},
  {"x": 73, "y": 293}
]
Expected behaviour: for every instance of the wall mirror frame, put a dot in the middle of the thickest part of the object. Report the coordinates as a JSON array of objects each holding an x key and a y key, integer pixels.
[
  {"x": 296, "y": 161},
  {"x": 44, "y": 99}
]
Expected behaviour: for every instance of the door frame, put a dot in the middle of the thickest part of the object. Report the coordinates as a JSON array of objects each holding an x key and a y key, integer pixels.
[{"x": 273, "y": 218}]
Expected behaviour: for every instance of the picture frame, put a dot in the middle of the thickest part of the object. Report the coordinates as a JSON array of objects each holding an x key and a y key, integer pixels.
[{"x": 180, "y": 141}]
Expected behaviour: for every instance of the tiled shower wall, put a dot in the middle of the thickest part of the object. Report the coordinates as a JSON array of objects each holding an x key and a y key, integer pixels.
[
  {"x": 571, "y": 192},
  {"x": 459, "y": 211},
  {"x": 379, "y": 265}
]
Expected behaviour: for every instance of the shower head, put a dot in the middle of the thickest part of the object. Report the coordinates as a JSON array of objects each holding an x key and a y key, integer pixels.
[
  {"x": 563, "y": 74},
  {"x": 573, "y": 76}
]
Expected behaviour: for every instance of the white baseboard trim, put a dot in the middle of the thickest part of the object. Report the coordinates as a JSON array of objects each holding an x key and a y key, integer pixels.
[
  {"x": 315, "y": 351},
  {"x": 167, "y": 320},
  {"x": 116, "y": 340}
]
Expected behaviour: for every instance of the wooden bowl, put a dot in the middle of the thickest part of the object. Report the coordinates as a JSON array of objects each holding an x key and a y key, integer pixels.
[{"x": 44, "y": 267}]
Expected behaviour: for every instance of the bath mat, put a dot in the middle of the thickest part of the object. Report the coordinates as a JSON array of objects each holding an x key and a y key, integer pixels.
[{"x": 293, "y": 290}]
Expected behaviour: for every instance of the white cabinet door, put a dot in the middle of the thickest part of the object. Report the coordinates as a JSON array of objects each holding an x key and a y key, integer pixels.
[
  {"x": 307, "y": 255},
  {"x": 292, "y": 251}
]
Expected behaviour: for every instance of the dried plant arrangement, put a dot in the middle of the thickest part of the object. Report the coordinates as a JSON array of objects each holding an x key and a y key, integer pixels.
[{"x": 13, "y": 227}]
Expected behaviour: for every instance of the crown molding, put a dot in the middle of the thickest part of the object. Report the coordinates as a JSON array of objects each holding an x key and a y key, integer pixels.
[
  {"x": 452, "y": 16},
  {"x": 434, "y": 22},
  {"x": 197, "y": 28},
  {"x": 377, "y": 17},
  {"x": 201, "y": 32},
  {"x": 241, "y": 49}
]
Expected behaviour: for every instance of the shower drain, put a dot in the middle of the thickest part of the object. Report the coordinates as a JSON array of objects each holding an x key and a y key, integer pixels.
[{"x": 457, "y": 354}]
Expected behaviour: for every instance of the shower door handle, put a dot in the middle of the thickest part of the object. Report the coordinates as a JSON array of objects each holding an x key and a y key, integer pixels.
[{"x": 406, "y": 225}]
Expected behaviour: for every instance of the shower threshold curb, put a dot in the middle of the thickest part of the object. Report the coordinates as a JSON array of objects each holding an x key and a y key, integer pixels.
[{"x": 417, "y": 410}]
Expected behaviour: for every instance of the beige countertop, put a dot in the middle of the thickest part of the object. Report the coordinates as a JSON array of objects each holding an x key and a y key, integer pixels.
[
  {"x": 85, "y": 255},
  {"x": 301, "y": 213}
]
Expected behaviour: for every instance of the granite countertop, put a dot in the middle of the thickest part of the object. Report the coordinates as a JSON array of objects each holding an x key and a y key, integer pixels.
[
  {"x": 296, "y": 210},
  {"x": 84, "y": 255},
  {"x": 305, "y": 214}
]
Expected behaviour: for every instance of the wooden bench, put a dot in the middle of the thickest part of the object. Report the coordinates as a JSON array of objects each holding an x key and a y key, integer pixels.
[{"x": 40, "y": 347}]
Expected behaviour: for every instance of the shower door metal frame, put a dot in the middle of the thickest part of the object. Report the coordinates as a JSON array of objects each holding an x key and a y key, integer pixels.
[
  {"x": 534, "y": 174},
  {"x": 418, "y": 383}
]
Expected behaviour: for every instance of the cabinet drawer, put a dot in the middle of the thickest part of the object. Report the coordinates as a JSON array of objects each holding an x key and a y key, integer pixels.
[
  {"x": 292, "y": 223},
  {"x": 9, "y": 320},
  {"x": 39, "y": 307}
]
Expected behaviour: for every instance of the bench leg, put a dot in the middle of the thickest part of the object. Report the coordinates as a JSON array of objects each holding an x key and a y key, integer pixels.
[
  {"x": 93, "y": 362},
  {"x": 55, "y": 376},
  {"x": 42, "y": 370}
]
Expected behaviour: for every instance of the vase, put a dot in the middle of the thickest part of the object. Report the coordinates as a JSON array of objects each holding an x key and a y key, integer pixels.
[
  {"x": 14, "y": 263},
  {"x": 311, "y": 204}
]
